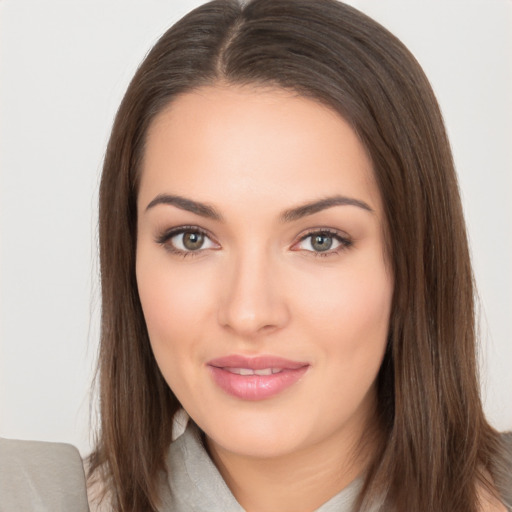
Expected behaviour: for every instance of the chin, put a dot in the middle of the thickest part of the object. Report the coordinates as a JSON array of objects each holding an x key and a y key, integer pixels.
[{"x": 259, "y": 435}]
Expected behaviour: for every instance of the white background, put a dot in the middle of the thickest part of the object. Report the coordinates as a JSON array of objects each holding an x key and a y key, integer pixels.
[{"x": 64, "y": 67}]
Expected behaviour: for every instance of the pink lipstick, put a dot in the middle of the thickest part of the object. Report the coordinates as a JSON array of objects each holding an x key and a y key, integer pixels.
[{"x": 255, "y": 378}]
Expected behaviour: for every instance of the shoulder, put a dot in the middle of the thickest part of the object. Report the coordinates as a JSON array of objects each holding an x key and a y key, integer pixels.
[
  {"x": 505, "y": 486},
  {"x": 503, "y": 483},
  {"x": 49, "y": 475},
  {"x": 506, "y": 439}
]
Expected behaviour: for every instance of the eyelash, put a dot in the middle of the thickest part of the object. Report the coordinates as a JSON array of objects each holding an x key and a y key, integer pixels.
[
  {"x": 344, "y": 241},
  {"x": 165, "y": 237}
]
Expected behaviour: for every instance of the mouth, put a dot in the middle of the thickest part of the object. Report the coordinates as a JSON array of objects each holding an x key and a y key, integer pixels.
[{"x": 256, "y": 378}]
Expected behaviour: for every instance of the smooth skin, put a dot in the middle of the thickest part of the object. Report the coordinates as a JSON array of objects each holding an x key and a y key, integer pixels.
[{"x": 240, "y": 276}]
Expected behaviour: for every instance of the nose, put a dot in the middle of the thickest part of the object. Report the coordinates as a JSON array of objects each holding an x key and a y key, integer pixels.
[{"x": 253, "y": 301}]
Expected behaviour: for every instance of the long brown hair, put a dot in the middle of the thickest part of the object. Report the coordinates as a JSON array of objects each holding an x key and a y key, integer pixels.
[{"x": 438, "y": 445}]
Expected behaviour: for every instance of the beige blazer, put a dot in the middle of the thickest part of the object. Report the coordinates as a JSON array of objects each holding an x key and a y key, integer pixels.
[{"x": 41, "y": 477}]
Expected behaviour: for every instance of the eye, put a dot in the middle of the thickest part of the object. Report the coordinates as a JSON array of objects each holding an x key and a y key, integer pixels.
[
  {"x": 324, "y": 241},
  {"x": 186, "y": 240}
]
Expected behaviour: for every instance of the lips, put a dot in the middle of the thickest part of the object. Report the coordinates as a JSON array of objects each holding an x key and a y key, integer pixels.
[{"x": 255, "y": 378}]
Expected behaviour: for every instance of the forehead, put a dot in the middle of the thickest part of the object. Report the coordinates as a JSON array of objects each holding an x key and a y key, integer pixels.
[{"x": 224, "y": 142}]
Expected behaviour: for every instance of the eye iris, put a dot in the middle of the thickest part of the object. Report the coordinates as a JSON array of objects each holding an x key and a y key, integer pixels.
[
  {"x": 321, "y": 242},
  {"x": 193, "y": 240}
]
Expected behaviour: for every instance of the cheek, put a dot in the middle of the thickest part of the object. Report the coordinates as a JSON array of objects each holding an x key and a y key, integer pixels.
[
  {"x": 351, "y": 330},
  {"x": 175, "y": 304},
  {"x": 348, "y": 315},
  {"x": 349, "y": 302}
]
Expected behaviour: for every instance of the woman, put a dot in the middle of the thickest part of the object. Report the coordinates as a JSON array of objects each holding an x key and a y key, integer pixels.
[{"x": 284, "y": 257}]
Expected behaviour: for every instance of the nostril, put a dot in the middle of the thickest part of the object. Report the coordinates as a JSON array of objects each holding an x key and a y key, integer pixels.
[
  {"x": 252, "y": 303},
  {"x": 249, "y": 320}
]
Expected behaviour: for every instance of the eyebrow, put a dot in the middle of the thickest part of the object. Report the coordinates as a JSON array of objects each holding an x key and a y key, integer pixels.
[
  {"x": 205, "y": 210},
  {"x": 202, "y": 209},
  {"x": 322, "y": 204}
]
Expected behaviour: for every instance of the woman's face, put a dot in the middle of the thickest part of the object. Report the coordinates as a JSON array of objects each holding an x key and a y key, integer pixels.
[{"x": 261, "y": 269}]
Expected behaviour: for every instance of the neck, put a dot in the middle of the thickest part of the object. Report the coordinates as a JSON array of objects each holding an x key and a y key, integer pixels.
[{"x": 300, "y": 481}]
